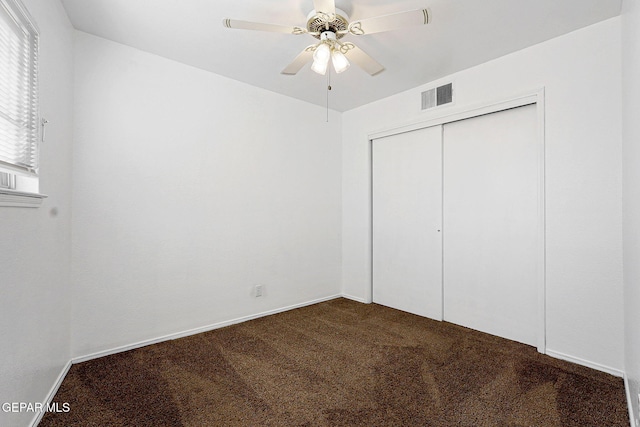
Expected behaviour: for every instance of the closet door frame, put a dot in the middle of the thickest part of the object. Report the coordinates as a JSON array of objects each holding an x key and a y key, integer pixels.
[{"x": 535, "y": 97}]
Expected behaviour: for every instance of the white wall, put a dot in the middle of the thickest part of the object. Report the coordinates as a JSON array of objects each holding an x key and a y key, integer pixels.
[
  {"x": 631, "y": 193},
  {"x": 581, "y": 74},
  {"x": 188, "y": 189},
  {"x": 35, "y": 246}
]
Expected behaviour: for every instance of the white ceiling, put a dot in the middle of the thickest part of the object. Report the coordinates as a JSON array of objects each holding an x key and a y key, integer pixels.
[{"x": 463, "y": 33}]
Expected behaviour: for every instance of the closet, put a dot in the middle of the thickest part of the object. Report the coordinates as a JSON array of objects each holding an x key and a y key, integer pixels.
[{"x": 457, "y": 222}]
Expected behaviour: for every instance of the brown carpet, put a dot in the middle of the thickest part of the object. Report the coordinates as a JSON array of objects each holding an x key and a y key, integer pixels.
[{"x": 338, "y": 363}]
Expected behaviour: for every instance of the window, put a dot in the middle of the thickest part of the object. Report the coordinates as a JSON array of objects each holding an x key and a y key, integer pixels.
[{"x": 19, "y": 115}]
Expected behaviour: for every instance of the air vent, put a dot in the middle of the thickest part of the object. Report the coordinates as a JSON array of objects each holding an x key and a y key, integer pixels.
[
  {"x": 437, "y": 96},
  {"x": 428, "y": 99},
  {"x": 445, "y": 94},
  {"x": 7, "y": 181}
]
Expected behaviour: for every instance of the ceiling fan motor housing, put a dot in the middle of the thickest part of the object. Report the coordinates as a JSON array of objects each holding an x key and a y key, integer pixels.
[
  {"x": 317, "y": 23},
  {"x": 329, "y": 36}
]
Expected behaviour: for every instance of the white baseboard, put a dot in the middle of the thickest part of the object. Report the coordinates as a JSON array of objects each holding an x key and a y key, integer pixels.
[
  {"x": 54, "y": 389},
  {"x": 199, "y": 330},
  {"x": 357, "y": 299},
  {"x": 587, "y": 363}
]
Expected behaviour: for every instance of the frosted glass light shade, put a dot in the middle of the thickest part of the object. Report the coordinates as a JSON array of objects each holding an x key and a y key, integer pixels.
[
  {"x": 340, "y": 62},
  {"x": 320, "y": 67},
  {"x": 321, "y": 57}
]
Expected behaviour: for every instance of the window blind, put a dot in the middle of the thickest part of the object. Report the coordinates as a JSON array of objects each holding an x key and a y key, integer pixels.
[{"x": 19, "y": 127}]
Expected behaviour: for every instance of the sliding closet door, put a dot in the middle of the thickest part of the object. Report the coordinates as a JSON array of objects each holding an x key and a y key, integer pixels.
[
  {"x": 491, "y": 223},
  {"x": 407, "y": 215}
]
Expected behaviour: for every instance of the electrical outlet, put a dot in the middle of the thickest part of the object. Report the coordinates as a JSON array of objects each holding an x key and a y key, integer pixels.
[{"x": 257, "y": 291}]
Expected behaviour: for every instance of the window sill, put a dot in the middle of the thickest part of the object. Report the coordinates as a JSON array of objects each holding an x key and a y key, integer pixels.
[{"x": 17, "y": 199}]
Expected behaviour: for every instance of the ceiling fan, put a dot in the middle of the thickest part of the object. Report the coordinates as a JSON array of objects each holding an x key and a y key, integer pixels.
[{"x": 330, "y": 24}]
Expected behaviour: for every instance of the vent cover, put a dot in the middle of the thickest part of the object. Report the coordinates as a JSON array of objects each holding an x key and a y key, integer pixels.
[
  {"x": 7, "y": 181},
  {"x": 428, "y": 99},
  {"x": 437, "y": 96}
]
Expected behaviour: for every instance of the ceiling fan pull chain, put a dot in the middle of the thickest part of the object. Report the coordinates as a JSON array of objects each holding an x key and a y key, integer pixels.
[{"x": 328, "y": 89}]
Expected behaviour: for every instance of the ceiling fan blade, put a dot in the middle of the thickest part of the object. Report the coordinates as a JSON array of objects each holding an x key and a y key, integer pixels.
[
  {"x": 299, "y": 62},
  {"x": 364, "y": 61},
  {"x": 390, "y": 22},
  {"x": 327, "y": 7},
  {"x": 258, "y": 26}
]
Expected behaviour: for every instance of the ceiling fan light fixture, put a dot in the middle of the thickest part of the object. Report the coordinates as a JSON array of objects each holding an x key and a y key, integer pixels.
[
  {"x": 340, "y": 61},
  {"x": 319, "y": 67},
  {"x": 321, "y": 57},
  {"x": 329, "y": 24},
  {"x": 322, "y": 53}
]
